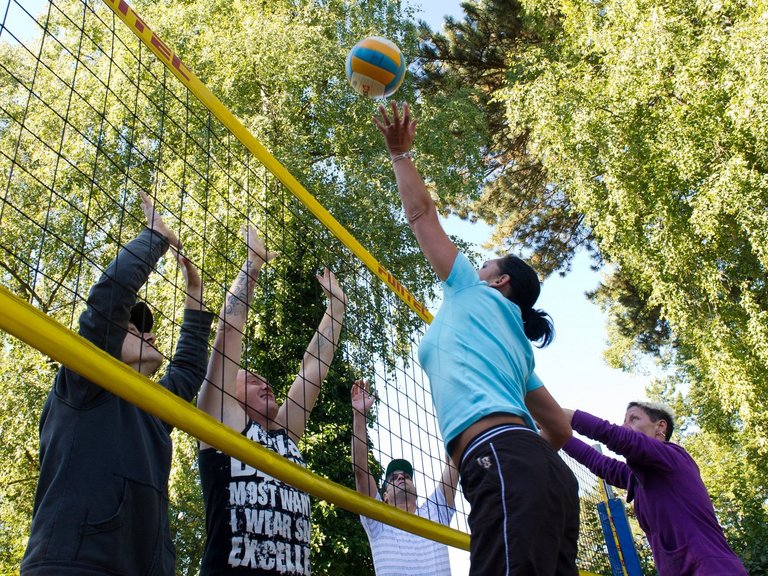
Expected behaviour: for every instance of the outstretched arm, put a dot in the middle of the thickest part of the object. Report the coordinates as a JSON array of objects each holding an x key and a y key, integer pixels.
[
  {"x": 419, "y": 207},
  {"x": 110, "y": 300},
  {"x": 217, "y": 395},
  {"x": 613, "y": 471},
  {"x": 108, "y": 308},
  {"x": 186, "y": 372},
  {"x": 193, "y": 283},
  {"x": 362, "y": 400},
  {"x": 449, "y": 481},
  {"x": 636, "y": 447},
  {"x": 302, "y": 396}
]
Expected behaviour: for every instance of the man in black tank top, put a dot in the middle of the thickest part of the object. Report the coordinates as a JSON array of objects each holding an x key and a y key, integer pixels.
[{"x": 257, "y": 524}]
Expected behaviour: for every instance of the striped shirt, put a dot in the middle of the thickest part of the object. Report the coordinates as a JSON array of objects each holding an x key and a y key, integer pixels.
[{"x": 397, "y": 553}]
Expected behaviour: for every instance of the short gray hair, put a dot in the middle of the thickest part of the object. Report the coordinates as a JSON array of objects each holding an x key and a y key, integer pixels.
[{"x": 657, "y": 411}]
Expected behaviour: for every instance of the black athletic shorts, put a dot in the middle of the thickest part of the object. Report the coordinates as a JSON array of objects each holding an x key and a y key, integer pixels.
[{"x": 525, "y": 505}]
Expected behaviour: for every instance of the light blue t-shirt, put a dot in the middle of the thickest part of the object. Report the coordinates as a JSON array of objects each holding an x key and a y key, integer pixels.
[{"x": 476, "y": 354}]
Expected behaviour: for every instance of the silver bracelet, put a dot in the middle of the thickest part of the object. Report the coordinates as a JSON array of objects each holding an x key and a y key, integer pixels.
[{"x": 398, "y": 157}]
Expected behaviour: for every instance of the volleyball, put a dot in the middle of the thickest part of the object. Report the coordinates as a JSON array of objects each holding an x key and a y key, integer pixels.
[{"x": 375, "y": 67}]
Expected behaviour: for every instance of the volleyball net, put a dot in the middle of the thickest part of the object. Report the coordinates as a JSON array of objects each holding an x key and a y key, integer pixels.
[{"x": 94, "y": 107}]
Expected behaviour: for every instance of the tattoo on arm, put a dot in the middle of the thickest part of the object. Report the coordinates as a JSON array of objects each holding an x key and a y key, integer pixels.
[
  {"x": 239, "y": 296},
  {"x": 326, "y": 340}
]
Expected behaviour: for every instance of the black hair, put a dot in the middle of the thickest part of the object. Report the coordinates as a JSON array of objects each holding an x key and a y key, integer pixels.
[{"x": 524, "y": 291}]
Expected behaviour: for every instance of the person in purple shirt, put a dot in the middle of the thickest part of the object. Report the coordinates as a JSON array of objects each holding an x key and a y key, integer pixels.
[{"x": 670, "y": 499}]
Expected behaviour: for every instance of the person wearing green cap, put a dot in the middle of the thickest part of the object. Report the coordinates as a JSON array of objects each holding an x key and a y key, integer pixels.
[{"x": 396, "y": 552}]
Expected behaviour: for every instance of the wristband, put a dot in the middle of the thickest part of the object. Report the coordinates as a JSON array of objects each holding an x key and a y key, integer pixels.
[{"x": 399, "y": 157}]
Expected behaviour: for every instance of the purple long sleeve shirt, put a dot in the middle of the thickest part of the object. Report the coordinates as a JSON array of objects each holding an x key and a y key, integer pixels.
[{"x": 670, "y": 499}]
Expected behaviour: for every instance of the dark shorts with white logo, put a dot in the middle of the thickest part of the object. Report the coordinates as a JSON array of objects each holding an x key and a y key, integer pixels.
[{"x": 525, "y": 505}]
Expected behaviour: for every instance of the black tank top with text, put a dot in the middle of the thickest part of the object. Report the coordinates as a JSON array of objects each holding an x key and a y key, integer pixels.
[{"x": 255, "y": 524}]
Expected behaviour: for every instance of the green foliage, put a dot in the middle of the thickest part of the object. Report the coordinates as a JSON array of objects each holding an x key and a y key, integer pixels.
[
  {"x": 636, "y": 329},
  {"x": 91, "y": 140},
  {"x": 640, "y": 113},
  {"x": 477, "y": 58},
  {"x": 647, "y": 127}
]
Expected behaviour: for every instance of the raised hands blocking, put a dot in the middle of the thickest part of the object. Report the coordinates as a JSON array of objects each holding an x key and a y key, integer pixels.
[
  {"x": 331, "y": 288},
  {"x": 361, "y": 397},
  {"x": 398, "y": 130},
  {"x": 155, "y": 221},
  {"x": 256, "y": 247},
  {"x": 192, "y": 281}
]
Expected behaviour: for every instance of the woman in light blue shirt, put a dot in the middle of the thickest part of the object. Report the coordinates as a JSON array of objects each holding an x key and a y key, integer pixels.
[{"x": 478, "y": 356}]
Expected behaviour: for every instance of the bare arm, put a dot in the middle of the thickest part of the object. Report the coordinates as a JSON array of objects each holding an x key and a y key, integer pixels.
[
  {"x": 362, "y": 401},
  {"x": 449, "y": 481},
  {"x": 419, "y": 207},
  {"x": 217, "y": 395},
  {"x": 302, "y": 396},
  {"x": 555, "y": 426}
]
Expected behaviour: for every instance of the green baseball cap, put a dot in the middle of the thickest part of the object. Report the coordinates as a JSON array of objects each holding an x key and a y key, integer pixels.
[{"x": 399, "y": 465}]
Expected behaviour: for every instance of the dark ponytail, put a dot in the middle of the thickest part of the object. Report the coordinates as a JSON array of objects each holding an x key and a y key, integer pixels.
[
  {"x": 538, "y": 326},
  {"x": 524, "y": 290}
]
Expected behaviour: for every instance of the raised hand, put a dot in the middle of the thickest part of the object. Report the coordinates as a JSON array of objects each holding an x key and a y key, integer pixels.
[
  {"x": 331, "y": 288},
  {"x": 362, "y": 399},
  {"x": 194, "y": 284},
  {"x": 398, "y": 130},
  {"x": 256, "y": 247},
  {"x": 155, "y": 221}
]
